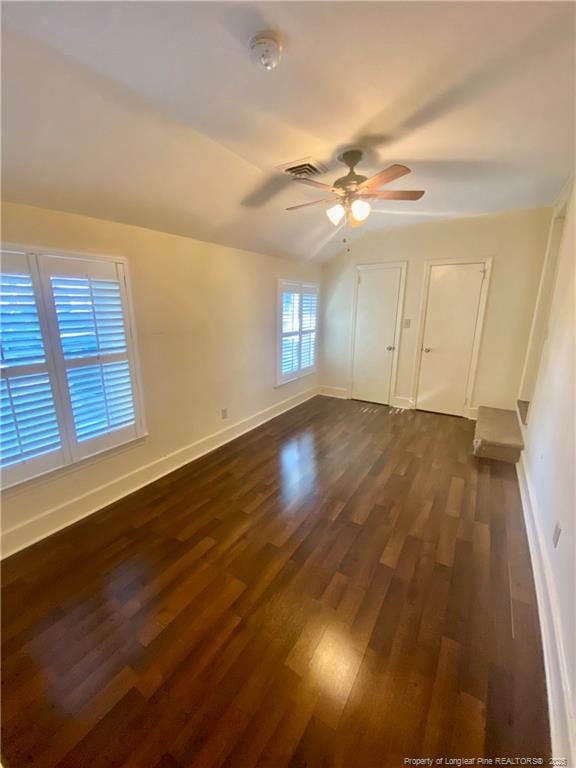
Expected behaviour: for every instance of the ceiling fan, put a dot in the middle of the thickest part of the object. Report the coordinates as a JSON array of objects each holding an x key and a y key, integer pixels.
[{"x": 353, "y": 191}]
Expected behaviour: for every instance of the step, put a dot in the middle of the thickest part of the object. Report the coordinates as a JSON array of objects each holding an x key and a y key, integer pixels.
[{"x": 498, "y": 435}]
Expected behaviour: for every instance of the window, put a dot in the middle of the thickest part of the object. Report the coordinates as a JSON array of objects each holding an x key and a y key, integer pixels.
[
  {"x": 298, "y": 314},
  {"x": 69, "y": 387}
]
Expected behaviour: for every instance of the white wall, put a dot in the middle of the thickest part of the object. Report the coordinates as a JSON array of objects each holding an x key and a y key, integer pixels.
[
  {"x": 205, "y": 323},
  {"x": 547, "y": 475},
  {"x": 516, "y": 242}
]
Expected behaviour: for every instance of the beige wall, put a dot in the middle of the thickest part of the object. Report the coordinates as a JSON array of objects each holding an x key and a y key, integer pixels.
[
  {"x": 547, "y": 475},
  {"x": 516, "y": 242},
  {"x": 205, "y": 322}
]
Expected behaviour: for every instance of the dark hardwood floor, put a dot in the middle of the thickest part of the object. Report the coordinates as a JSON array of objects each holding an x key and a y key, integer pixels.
[{"x": 343, "y": 586}]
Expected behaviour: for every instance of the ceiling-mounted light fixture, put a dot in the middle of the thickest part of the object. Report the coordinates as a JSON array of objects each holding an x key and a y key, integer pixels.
[
  {"x": 360, "y": 209},
  {"x": 265, "y": 48},
  {"x": 336, "y": 213}
]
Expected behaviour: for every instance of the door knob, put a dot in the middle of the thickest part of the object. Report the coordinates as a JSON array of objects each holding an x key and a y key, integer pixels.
[
  {"x": 390, "y": 349},
  {"x": 427, "y": 349}
]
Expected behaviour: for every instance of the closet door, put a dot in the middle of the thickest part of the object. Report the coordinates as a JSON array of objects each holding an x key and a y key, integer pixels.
[
  {"x": 375, "y": 332},
  {"x": 452, "y": 309}
]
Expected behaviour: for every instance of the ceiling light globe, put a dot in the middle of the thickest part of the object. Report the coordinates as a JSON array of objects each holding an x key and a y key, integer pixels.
[
  {"x": 336, "y": 214},
  {"x": 360, "y": 209}
]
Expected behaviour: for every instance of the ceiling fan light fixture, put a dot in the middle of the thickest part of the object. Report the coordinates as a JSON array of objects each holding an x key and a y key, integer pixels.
[
  {"x": 352, "y": 190},
  {"x": 360, "y": 210},
  {"x": 336, "y": 213}
]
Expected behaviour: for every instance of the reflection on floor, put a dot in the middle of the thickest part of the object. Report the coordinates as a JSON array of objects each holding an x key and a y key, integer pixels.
[{"x": 336, "y": 588}]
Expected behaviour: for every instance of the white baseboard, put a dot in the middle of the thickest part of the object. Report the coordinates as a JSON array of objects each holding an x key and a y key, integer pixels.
[
  {"x": 340, "y": 392},
  {"x": 53, "y": 520},
  {"x": 560, "y": 703}
]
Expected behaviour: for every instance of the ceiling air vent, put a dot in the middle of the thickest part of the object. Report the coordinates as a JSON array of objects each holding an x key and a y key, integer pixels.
[{"x": 305, "y": 167}]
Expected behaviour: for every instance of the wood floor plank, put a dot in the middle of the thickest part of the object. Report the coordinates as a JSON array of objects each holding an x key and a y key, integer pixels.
[
  {"x": 342, "y": 587},
  {"x": 440, "y": 716}
]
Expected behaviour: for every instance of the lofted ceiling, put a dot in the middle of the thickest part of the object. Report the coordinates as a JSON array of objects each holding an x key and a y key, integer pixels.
[{"x": 152, "y": 113}]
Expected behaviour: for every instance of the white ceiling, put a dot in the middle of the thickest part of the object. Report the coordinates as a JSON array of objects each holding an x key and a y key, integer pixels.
[{"x": 152, "y": 113}]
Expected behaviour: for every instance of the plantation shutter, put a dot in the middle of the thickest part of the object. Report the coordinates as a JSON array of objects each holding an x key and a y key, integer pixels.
[
  {"x": 87, "y": 299},
  {"x": 309, "y": 316},
  {"x": 31, "y": 441},
  {"x": 290, "y": 337},
  {"x": 298, "y": 321}
]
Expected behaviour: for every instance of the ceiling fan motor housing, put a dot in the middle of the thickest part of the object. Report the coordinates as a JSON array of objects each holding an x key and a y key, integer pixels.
[{"x": 350, "y": 181}]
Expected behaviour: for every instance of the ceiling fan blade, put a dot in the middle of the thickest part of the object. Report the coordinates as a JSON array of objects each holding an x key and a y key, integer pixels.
[
  {"x": 389, "y": 174},
  {"x": 400, "y": 194},
  {"x": 323, "y": 201},
  {"x": 314, "y": 183}
]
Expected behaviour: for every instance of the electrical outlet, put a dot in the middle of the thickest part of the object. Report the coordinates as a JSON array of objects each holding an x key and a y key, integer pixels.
[
  {"x": 224, "y": 413},
  {"x": 556, "y": 535},
  {"x": 407, "y": 323}
]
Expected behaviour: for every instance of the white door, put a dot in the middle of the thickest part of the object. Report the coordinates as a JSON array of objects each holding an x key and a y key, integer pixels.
[
  {"x": 376, "y": 313},
  {"x": 452, "y": 309}
]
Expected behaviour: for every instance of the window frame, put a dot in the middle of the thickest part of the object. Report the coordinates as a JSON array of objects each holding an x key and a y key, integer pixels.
[
  {"x": 72, "y": 451},
  {"x": 295, "y": 286}
]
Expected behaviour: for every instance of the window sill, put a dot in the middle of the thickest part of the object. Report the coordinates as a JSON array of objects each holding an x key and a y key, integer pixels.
[
  {"x": 71, "y": 466},
  {"x": 297, "y": 377}
]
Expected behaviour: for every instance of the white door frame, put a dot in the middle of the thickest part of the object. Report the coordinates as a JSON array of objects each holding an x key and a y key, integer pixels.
[
  {"x": 402, "y": 265},
  {"x": 470, "y": 409}
]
